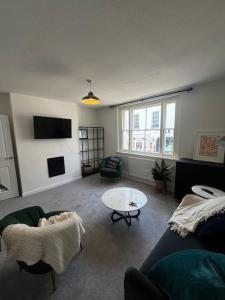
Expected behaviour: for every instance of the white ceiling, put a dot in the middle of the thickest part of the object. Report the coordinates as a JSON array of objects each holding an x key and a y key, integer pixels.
[{"x": 128, "y": 48}]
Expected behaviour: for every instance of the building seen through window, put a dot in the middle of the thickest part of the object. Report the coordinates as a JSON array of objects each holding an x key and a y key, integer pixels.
[{"x": 151, "y": 129}]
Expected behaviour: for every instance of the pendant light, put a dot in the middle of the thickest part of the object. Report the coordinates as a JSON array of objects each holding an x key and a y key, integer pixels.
[{"x": 90, "y": 99}]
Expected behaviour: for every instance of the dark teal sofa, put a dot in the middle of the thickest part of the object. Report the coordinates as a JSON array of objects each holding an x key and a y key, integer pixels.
[{"x": 136, "y": 283}]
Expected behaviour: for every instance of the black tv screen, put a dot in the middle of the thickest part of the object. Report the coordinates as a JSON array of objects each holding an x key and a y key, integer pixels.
[{"x": 51, "y": 128}]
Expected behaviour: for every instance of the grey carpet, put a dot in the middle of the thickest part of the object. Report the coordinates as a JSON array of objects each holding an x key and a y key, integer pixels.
[{"x": 109, "y": 249}]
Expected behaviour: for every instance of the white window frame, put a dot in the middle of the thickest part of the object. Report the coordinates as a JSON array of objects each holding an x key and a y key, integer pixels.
[{"x": 162, "y": 129}]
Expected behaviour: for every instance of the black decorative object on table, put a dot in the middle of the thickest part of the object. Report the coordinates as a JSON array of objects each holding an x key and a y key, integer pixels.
[{"x": 208, "y": 191}]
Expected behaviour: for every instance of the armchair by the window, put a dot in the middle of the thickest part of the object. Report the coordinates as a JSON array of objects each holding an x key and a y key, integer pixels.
[{"x": 111, "y": 167}]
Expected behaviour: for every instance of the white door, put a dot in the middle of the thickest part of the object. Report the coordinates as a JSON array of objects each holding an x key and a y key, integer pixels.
[{"x": 8, "y": 180}]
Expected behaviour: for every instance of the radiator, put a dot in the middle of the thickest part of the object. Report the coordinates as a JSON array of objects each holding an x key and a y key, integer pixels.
[{"x": 140, "y": 167}]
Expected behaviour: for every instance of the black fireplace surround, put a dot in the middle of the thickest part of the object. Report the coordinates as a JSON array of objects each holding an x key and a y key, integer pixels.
[{"x": 56, "y": 166}]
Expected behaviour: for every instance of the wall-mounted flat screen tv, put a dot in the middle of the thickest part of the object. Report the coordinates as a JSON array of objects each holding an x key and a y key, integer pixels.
[{"x": 51, "y": 128}]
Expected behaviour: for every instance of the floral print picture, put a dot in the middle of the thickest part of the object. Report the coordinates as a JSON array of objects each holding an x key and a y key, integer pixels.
[{"x": 207, "y": 147}]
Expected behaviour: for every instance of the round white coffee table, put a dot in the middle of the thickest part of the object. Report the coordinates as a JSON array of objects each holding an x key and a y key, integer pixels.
[
  {"x": 207, "y": 192},
  {"x": 123, "y": 201}
]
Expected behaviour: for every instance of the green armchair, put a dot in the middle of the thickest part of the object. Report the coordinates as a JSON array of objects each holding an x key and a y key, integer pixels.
[
  {"x": 111, "y": 167},
  {"x": 30, "y": 216}
]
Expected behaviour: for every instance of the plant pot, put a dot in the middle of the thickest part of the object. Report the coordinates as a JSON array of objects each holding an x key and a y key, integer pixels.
[{"x": 160, "y": 186}]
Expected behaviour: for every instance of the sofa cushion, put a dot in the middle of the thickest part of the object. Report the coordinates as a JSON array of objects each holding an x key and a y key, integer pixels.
[
  {"x": 214, "y": 224},
  {"x": 171, "y": 242},
  {"x": 111, "y": 164},
  {"x": 191, "y": 274},
  {"x": 115, "y": 159}
]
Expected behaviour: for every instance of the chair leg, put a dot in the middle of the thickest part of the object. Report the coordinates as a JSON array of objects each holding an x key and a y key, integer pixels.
[{"x": 53, "y": 281}]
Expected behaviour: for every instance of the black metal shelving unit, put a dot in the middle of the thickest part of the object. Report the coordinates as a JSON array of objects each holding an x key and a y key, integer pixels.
[{"x": 91, "y": 149}]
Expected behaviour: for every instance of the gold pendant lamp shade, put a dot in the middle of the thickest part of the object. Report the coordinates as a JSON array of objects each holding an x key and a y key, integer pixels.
[{"x": 90, "y": 99}]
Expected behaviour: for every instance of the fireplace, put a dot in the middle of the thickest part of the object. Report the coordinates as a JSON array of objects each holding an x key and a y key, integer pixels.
[{"x": 56, "y": 166}]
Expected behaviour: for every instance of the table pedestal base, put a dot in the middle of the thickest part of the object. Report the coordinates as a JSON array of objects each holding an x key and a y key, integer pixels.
[{"x": 126, "y": 216}]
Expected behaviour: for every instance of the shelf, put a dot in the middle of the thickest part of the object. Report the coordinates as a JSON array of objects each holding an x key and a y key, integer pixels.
[{"x": 91, "y": 148}]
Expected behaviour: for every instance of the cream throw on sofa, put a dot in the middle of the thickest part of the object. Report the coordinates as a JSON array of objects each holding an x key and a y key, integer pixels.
[
  {"x": 194, "y": 210},
  {"x": 55, "y": 242}
]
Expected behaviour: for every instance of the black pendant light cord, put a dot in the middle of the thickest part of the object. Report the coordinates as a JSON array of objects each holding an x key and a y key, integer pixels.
[{"x": 89, "y": 81}]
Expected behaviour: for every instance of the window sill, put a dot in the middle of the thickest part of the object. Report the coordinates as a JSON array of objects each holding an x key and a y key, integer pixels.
[{"x": 144, "y": 155}]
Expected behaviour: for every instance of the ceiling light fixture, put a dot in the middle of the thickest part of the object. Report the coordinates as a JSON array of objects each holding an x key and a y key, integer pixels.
[{"x": 90, "y": 99}]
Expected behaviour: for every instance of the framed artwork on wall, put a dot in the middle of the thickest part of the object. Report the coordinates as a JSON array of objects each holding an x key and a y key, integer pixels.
[
  {"x": 207, "y": 147},
  {"x": 83, "y": 133}
]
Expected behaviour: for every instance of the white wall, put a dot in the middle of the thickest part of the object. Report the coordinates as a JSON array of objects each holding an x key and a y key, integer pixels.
[
  {"x": 88, "y": 116},
  {"x": 33, "y": 154},
  {"x": 201, "y": 109},
  {"x": 108, "y": 119}
]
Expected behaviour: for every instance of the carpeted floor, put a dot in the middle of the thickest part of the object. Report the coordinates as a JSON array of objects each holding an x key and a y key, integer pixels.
[{"x": 109, "y": 249}]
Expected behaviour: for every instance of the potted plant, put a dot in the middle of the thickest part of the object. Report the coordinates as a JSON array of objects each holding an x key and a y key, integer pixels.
[{"x": 160, "y": 174}]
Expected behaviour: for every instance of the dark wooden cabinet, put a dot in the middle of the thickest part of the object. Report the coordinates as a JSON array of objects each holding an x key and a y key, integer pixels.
[{"x": 191, "y": 172}]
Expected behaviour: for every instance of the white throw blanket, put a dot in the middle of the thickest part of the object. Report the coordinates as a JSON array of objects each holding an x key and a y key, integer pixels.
[
  {"x": 55, "y": 242},
  {"x": 194, "y": 210}
]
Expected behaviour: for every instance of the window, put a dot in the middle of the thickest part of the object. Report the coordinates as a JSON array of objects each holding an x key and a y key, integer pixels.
[
  {"x": 148, "y": 129},
  {"x": 125, "y": 129},
  {"x": 168, "y": 130},
  {"x": 136, "y": 121},
  {"x": 155, "y": 119}
]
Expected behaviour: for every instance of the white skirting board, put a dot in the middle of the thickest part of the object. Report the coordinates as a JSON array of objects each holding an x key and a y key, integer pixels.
[
  {"x": 50, "y": 186},
  {"x": 151, "y": 182},
  {"x": 140, "y": 169},
  {"x": 147, "y": 181}
]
